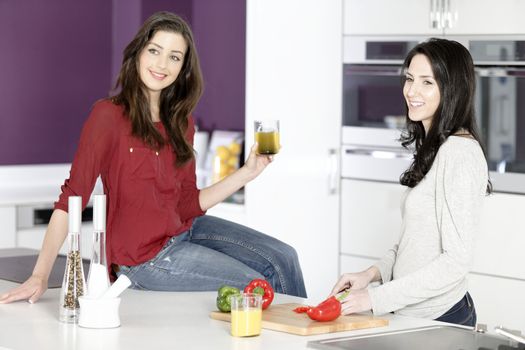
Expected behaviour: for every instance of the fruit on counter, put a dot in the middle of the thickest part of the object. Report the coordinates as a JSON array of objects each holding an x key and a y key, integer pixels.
[
  {"x": 328, "y": 310},
  {"x": 262, "y": 287},
  {"x": 223, "y": 297}
]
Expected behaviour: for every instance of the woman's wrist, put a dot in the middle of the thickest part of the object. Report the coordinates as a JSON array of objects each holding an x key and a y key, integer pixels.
[
  {"x": 373, "y": 274},
  {"x": 246, "y": 175}
]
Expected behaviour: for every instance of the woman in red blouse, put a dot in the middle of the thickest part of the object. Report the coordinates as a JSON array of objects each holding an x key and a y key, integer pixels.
[{"x": 140, "y": 143}]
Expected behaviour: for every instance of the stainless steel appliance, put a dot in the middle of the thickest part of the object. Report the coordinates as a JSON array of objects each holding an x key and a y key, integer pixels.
[
  {"x": 373, "y": 107},
  {"x": 500, "y": 108}
]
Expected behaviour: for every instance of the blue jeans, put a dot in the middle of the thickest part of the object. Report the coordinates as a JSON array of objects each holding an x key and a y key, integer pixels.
[
  {"x": 462, "y": 313},
  {"x": 214, "y": 252}
]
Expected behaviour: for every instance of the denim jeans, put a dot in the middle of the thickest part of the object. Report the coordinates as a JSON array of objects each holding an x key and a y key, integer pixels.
[
  {"x": 214, "y": 252},
  {"x": 463, "y": 313}
]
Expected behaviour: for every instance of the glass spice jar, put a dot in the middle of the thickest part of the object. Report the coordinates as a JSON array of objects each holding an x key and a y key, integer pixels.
[{"x": 73, "y": 283}]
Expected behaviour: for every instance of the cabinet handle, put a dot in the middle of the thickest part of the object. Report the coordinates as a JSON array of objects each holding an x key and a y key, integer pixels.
[
  {"x": 379, "y": 153},
  {"x": 447, "y": 15},
  {"x": 433, "y": 12},
  {"x": 333, "y": 171}
]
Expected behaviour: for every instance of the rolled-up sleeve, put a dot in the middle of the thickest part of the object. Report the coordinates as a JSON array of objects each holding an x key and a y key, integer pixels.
[{"x": 91, "y": 157}]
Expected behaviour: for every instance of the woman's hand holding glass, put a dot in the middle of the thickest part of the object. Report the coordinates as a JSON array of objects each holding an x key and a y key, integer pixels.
[{"x": 256, "y": 162}]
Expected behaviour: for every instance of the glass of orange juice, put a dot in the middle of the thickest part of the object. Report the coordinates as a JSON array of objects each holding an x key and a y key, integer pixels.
[
  {"x": 267, "y": 136},
  {"x": 246, "y": 314}
]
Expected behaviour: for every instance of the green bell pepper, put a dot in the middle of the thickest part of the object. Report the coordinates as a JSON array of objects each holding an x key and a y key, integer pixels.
[{"x": 223, "y": 297}]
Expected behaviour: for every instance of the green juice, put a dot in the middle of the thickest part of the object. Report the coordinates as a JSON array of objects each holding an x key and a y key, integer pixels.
[{"x": 268, "y": 142}]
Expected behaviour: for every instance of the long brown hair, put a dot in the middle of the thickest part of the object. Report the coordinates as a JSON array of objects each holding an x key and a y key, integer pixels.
[
  {"x": 177, "y": 101},
  {"x": 454, "y": 72}
]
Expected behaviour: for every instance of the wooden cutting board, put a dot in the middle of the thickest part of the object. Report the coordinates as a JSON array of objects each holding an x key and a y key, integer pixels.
[{"x": 280, "y": 317}]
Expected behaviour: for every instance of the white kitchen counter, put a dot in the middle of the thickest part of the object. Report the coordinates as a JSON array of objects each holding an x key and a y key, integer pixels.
[{"x": 151, "y": 320}]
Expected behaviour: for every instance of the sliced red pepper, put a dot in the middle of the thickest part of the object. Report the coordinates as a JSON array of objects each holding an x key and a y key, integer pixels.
[
  {"x": 302, "y": 309},
  {"x": 328, "y": 310},
  {"x": 262, "y": 287}
]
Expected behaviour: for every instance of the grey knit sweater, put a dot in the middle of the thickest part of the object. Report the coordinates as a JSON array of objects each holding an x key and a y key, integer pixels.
[{"x": 424, "y": 275}]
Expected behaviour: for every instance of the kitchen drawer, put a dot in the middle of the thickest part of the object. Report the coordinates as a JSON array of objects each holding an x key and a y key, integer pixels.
[
  {"x": 370, "y": 217},
  {"x": 34, "y": 237}
]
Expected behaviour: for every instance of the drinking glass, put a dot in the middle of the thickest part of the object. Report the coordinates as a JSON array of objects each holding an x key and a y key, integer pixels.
[
  {"x": 267, "y": 136},
  {"x": 246, "y": 314}
]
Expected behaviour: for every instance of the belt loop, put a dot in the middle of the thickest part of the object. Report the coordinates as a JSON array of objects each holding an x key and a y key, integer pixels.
[{"x": 467, "y": 296}]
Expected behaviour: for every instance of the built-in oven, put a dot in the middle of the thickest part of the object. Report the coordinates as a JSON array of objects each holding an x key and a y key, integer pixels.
[
  {"x": 374, "y": 109},
  {"x": 500, "y": 108}
]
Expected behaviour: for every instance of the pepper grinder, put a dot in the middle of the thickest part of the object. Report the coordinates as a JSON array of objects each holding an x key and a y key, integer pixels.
[
  {"x": 98, "y": 277},
  {"x": 73, "y": 282}
]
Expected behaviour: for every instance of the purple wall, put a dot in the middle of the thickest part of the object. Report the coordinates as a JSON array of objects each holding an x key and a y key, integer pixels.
[
  {"x": 126, "y": 19},
  {"x": 61, "y": 56},
  {"x": 55, "y": 64},
  {"x": 219, "y": 28},
  {"x": 220, "y": 34}
]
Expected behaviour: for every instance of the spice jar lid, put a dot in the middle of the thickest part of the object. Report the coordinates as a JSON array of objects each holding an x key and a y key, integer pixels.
[
  {"x": 99, "y": 212},
  {"x": 74, "y": 213}
]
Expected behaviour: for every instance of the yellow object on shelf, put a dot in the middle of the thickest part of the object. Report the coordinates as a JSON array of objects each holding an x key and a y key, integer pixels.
[{"x": 225, "y": 161}]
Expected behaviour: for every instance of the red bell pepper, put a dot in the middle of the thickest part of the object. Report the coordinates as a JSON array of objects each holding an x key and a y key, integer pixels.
[
  {"x": 328, "y": 310},
  {"x": 262, "y": 287}
]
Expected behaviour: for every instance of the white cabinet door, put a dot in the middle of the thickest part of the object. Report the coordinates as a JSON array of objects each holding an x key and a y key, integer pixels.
[
  {"x": 370, "y": 217},
  {"x": 500, "y": 245},
  {"x": 498, "y": 301},
  {"x": 387, "y": 17},
  {"x": 293, "y": 68},
  {"x": 484, "y": 17},
  {"x": 350, "y": 263}
]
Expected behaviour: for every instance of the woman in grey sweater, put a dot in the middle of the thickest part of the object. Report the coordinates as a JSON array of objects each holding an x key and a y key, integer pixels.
[{"x": 424, "y": 275}]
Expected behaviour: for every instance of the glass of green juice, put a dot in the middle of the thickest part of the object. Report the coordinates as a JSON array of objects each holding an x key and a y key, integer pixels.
[{"x": 267, "y": 136}]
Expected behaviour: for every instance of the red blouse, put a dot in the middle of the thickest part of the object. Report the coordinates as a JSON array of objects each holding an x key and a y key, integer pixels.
[{"x": 148, "y": 199}]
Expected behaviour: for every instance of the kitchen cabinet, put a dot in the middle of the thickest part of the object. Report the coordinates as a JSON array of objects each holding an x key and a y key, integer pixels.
[
  {"x": 487, "y": 17},
  {"x": 386, "y": 17},
  {"x": 498, "y": 301},
  {"x": 500, "y": 245},
  {"x": 434, "y": 17},
  {"x": 351, "y": 263},
  {"x": 497, "y": 281},
  {"x": 370, "y": 218},
  {"x": 294, "y": 75}
]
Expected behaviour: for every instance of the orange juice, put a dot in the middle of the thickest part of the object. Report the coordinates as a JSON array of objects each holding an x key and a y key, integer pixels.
[{"x": 246, "y": 322}]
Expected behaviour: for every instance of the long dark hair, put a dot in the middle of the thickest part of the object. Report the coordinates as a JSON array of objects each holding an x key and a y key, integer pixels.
[
  {"x": 453, "y": 70},
  {"x": 177, "y": 101}
]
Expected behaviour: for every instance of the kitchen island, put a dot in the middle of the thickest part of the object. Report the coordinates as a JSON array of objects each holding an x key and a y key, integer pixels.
[{"x": 152, "y": 320}]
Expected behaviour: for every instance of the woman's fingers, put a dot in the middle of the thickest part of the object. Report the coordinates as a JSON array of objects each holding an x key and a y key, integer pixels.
[
  {"x": 15, "y": 295},
  {"x": 343, "y": 283}
]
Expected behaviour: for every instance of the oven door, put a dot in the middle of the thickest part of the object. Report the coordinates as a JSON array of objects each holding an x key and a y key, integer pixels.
[
  {"x": 373, "y": 96},
  {"x": 500, "y": 107}
]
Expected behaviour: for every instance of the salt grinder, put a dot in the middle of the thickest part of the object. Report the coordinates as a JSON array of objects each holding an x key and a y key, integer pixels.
[{"x": 98, "y": 277}]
